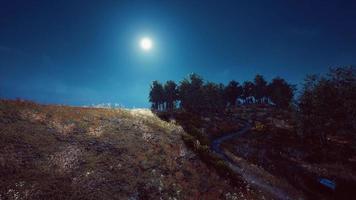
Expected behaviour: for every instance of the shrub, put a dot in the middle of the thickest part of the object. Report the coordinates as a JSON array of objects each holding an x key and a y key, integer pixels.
[
  {"x": 328, "y": 103},
  {"x": 259, "y": 127}
]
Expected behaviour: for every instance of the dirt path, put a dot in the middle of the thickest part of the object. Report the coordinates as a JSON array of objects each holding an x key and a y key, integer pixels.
[
  {"x": 217, "y": 142},
  {"x": 254, "y": 175}
]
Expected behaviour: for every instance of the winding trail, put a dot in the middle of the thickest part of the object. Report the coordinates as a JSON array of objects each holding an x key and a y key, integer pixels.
[
  {"x": 217, "y": 142},
  {"x": 253, "y": 174}
]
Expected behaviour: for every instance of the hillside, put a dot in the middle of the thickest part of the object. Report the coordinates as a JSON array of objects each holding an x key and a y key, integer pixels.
[
  {"x": 275, "y": 145},
  {"x": 60, "y": 152}
]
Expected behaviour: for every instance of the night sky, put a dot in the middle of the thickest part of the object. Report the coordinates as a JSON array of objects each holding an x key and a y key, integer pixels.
[{"x": 87, "y": 52}]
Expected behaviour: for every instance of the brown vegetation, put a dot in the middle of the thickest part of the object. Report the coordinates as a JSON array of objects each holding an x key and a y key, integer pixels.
[
  {"x": 274, "y": 145},
  {"x": 59, "y": 152}
]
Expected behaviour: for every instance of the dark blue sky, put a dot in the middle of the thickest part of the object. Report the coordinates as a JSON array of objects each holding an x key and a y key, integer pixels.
[{"x": 86, "y": 52}]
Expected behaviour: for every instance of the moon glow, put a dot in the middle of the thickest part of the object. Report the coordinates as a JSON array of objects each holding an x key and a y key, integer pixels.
[{"x": 146, "y": 44}]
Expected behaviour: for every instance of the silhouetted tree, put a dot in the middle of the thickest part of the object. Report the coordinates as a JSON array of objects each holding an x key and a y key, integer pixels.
[
  {"x": 156, "y": 96},
  {"x": 260, "y": 89},
  {"x": 214, "y": 100},
  {"x": 344, "y": 79},
  {"x": 280, "y": 92},
  {"x": 170, "y": 94},
  {"x": 194, "y": 95},
  {"x": 232, "y": 92},
  {"x": 191, "y": 93},
  {"x": 247, "y": 94},
  {"x": 328, "y": 104}
]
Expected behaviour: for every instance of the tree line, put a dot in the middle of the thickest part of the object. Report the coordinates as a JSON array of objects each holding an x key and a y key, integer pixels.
[
  {"x": 193, "y": 94},
  {"x": 326, "y": 104}
]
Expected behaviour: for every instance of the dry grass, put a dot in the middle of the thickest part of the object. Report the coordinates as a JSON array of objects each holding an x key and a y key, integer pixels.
[{"x": 60, "y": 152}]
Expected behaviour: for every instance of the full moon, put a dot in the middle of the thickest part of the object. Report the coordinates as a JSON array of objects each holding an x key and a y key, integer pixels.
[{"x": 146, "y": 44}]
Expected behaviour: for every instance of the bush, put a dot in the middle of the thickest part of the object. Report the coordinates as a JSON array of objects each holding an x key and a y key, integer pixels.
[
  {"x": 328, "y": 103},
  {"x": 259, "y": 127}
]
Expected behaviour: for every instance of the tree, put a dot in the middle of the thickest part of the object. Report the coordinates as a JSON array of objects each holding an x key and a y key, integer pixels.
[
  {"x": 328, "y": 103},
  {"x": 313, "y": 107},
  {"x": 170, "y": 94},
  {"x": 156, "y": 95},
  {"x": 248, "y": 88},
  {"x": 260, "y": 89},
  {"x": 280, "y": 92},
  {"x": 344, "y": 80},
  {"x": 191, "y": 93},
  {"x": 214, "y": 101},
  {"x": 232, "y": 92}
]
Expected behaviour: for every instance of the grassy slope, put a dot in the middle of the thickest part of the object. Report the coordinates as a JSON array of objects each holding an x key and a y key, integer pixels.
[
  {"x": 61, "y": 152},
  {"x": 273, "y": 145}
]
